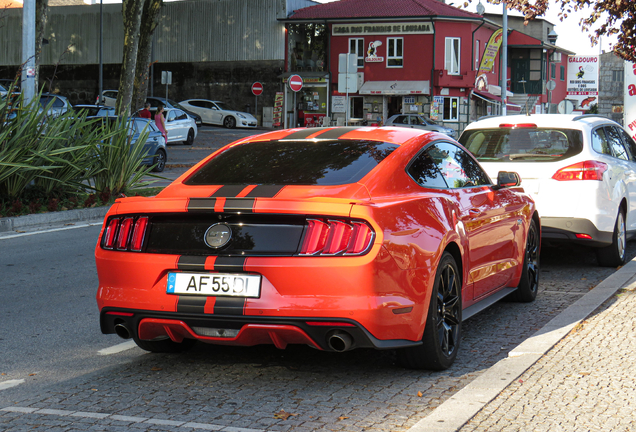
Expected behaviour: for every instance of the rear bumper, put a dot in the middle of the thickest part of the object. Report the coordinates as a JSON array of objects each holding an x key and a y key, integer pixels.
[
  {"x": 565, "y": 230},
  {"x": 252, "y": 330}
]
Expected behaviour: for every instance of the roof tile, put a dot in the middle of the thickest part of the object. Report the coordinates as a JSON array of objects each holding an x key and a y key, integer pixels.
[{"x": 381, "y": 9}]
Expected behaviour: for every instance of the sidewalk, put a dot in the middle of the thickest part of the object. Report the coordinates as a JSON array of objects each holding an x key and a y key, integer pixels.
[{"x": 576, "y": 374}]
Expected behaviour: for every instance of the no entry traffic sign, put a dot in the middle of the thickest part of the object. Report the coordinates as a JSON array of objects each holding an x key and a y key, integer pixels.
[
  {"x": 295, "y": 83},
  {"x": 257, "y": 88}
]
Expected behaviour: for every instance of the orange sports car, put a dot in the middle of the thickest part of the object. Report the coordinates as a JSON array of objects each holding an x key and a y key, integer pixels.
[{"x": 337, "y": 238}]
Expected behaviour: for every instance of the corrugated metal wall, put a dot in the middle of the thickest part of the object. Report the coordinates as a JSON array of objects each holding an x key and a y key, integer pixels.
[{"x": 188, "y": 31}]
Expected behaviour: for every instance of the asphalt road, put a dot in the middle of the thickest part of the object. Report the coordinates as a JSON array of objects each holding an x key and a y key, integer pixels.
[
  {"x": 54, "y": 359},
  {"x": 50, "y": 343}
]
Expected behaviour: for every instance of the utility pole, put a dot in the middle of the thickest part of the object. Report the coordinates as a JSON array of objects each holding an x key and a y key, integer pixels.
[
  {"x": 504, "y": 60},
  {"x": 28, "y": 50}
]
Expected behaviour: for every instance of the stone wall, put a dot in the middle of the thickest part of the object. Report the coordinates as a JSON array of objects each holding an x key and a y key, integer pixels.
[
  {"x": 228, "y": 82},
  {"x": 611, "y": 87}
]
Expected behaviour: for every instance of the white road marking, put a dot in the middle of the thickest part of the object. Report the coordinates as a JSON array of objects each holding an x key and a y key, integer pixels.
[
  {"x": 49, "y": 230},
  {"x": 111, "y": 417},
  {"x": 11, "y": 383},
  {"x": 118, "y": 348}
]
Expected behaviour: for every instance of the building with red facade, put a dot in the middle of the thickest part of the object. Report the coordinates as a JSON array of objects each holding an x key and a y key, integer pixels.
[{"x": 413, "y": 56}]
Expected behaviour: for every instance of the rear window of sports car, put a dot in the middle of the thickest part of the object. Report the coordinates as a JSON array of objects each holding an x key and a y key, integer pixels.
[
  {"x": 323, "y": 163},
  {"x": 522, "y": 144}
]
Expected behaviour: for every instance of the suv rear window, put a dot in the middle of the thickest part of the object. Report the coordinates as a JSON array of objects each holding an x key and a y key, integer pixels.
[
  {"x": 522, "y": 144},
  {"x": 293, "y": 163}
]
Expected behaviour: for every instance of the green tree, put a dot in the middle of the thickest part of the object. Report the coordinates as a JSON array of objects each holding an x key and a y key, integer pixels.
[{"x": 608, "y": 17}]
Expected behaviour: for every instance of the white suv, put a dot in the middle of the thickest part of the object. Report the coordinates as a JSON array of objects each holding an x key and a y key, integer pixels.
[{"x": 580, "y": 170}]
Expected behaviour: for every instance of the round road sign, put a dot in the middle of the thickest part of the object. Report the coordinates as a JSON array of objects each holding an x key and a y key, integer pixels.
[
  {"x": 257, "y": 88},
  {"x": 295, "y": 83}
]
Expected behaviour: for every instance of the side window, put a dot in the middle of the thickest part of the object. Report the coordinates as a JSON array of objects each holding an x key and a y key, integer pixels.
[
  {"x": 425, "y": 172},
  {"x": 599, "y": 142},
  {"x": 57, "y": 102},
  {"x": 616, "y": 143},
  {"x": 196, "y": 103},
  {"x": 180, "y": 115},
  {"x": 457, "y": 166},
  {"x": 402, "y": 119},
  {"x": 629, "y": 142},
  {"x": 171, "y": 116}
]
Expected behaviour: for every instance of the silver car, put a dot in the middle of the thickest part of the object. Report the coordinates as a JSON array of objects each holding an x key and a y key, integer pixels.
[{"x": 419, "y": 121}]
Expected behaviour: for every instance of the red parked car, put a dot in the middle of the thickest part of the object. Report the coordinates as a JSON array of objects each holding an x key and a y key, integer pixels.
[{"x": 337, "y": 238}]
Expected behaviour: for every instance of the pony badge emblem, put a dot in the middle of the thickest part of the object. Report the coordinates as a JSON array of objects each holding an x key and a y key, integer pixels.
[{"x": 218, "y": 235}]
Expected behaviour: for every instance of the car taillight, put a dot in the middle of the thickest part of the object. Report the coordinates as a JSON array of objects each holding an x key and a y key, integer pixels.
[
  {"x": 125, "y": 233},
  {"x": 336, "y": 237},
  {"x": 588, "y": 170}
]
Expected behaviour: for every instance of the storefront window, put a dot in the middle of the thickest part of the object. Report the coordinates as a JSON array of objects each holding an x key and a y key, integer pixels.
[
  {"x": 312, "y": 104},
  {"x": 307, "y": 46},
  {"x": 451, "y": 109}
]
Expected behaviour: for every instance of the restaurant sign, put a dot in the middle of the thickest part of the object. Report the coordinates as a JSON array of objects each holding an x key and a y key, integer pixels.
[{"x": 381, "y": 29}]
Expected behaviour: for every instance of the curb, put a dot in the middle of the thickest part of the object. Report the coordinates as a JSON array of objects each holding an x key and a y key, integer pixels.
[
  {"x": 42, "y": 220},
  {"x": 453, "y": 414}
]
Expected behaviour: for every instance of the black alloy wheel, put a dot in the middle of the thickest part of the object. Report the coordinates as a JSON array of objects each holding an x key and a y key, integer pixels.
[
  {"x": 529, "y": 284},
  {"x": 442, "y": 334},
  {"x": 159, "y": 161}
]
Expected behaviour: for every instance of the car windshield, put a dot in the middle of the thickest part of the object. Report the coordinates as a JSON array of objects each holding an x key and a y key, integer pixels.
[
  {"x": 522, "y": 144},
  {"x": 293, "y": 163}
]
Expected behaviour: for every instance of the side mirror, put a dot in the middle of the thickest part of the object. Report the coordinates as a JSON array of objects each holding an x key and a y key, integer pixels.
[{"x": 507, "y": 179}]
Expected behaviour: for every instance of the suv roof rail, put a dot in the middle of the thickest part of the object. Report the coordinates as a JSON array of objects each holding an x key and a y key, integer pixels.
[{"x": 583, "y": 116}]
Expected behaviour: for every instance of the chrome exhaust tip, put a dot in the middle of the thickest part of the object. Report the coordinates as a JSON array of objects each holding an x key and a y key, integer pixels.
[
  {"x": 122, "y": 331},
  {"x": 340, "y": 341}
]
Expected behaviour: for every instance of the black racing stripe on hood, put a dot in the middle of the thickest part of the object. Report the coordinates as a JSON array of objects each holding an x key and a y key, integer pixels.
[
  {"x": 201, "y": 204},
  {"x": 191, "y": 263},
  {"x": 229, "y": 191},
  {"x": 191, "y": 304},
  {"x": 265, "y": 191},
  {"x": 229, "y": 306},
  {"x": 336, "y": 133}
]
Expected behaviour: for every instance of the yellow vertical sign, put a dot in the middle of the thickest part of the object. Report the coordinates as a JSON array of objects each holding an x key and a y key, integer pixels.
[{"x": 490, "y": 53}]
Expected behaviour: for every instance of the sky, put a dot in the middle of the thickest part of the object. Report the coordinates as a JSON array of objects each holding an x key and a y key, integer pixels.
[{"x": 571, "y": 37}]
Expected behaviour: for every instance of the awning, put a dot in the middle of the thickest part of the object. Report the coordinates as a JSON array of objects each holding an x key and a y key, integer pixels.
[
  {"x": 396, "y": 88},
  {"x": 488, "y": 97}
]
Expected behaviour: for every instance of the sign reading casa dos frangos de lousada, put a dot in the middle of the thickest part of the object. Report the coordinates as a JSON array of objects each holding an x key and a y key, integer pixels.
[{"x": 381, "y": 28}]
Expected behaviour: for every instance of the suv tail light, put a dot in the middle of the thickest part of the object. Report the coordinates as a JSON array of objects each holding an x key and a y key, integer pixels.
[
  {"x": 588, "y": 170},
  {"x": 336, "y": 237},
  {"x": 125, "y": 234}
]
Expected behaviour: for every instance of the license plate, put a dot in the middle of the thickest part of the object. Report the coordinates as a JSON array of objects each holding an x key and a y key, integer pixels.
[{"x": 214, "y": 284}]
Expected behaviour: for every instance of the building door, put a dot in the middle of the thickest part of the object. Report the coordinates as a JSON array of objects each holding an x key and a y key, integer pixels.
[{"x": 394, "y": 105}]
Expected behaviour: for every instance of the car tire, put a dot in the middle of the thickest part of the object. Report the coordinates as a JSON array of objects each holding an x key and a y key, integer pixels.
[
  {"x": 442, "y": 331},
  {"x": 615, "y": 254},
  {"x": 190, "y": 139},
  {"x": 159, "y": 161},
  {"x": 164, "y": 345},
  {"x": 229, "y": 122},
  {"x": 528, "y": 286}
]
